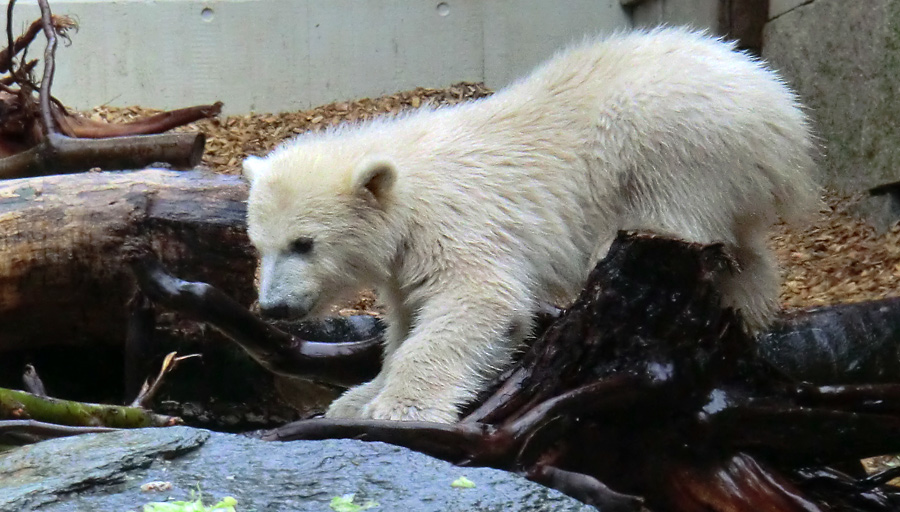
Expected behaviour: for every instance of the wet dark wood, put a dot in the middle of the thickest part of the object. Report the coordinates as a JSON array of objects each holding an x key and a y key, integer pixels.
[
  {"x": 343, "y": 363},
  {"x": 840, "y": 344},
  {"x": 647, "y": 388}
]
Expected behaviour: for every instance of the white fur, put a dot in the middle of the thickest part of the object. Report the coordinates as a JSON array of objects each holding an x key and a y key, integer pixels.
[
  {"x": 253, "y": 165},
  {"x": 483, "y": 210}
]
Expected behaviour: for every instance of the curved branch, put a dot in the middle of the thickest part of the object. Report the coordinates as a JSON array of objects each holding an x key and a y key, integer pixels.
[
  {"x": 60, "y": 23},
  {"x": 456, "y": 443},
  {"x": 840, "y": 344},
  {"x": 46, "y": 430},
  {"x": 82, "y": 127},
  {"x": 585, "y": 488},
  {"x": 344, "y": 363},
  {"x": 7, "y": 54}
]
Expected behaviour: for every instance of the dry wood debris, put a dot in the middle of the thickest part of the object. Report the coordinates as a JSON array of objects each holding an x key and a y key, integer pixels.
[
  {"x": 838, "y": 258},
  {"x": 38, "y": 135},
  {"x": 230, "y": 139}
]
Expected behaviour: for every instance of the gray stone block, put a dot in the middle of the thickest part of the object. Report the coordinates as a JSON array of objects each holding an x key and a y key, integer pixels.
[{"x": 844, "y": 60}]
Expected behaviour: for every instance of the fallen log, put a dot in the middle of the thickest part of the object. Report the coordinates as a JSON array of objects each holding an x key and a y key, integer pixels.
[
  {"x": 63, "y": 280},
  {"x": 59, "y": 154}
]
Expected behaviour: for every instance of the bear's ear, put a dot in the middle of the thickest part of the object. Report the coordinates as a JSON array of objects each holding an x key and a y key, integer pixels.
[
  {"x": 375, "y": 176},
  {"x": 254, "y": 166}
]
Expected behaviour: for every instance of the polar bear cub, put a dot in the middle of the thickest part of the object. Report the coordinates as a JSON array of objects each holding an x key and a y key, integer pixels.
[{"x": 466, "y": 218}]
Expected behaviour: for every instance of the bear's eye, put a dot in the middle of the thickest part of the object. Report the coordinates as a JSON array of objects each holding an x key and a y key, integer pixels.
[{"x": 301, "y": 246}]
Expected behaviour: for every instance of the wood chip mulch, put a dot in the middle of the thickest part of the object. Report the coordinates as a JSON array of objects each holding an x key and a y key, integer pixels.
[
  {"x": 230, "y": 139},
  {"x": 836, "y": 258}
]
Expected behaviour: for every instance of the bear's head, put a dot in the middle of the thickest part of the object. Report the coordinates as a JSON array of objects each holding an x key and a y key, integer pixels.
[{"x": 320, "y": 222}]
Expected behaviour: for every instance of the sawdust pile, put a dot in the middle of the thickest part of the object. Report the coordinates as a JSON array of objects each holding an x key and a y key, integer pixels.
[{"x": 839, "y": 258}]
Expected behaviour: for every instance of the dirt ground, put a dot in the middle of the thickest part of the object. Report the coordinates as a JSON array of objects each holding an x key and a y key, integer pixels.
[{"x": 834, "y": 258}]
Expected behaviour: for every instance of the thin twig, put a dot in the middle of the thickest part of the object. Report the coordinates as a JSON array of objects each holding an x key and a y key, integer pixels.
[
  {"x": 880, "y": 478},
  {"x": 586, "y": 489},
  {"x": 23, "y": 70},
  {"x": 44, "y": 429},
  {"x": 49, "y": 68},
  {"x": 138, "y": 343},
  {"x": 10, "y": 48},
  {"x": 148, "y": 391}
]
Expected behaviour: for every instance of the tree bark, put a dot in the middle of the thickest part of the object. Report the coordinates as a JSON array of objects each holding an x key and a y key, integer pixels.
[{"x": 63, "y": 279}]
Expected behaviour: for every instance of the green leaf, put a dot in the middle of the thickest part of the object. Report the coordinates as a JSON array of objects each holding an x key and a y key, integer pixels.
[
  {"x": 462, "y": 483},
  {"x": 345, "y": 504},
  {"x": 226, "y": 505}
]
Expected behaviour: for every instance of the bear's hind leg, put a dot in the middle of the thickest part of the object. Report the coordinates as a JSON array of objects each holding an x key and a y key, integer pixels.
[{"x": 754, "y": 288}]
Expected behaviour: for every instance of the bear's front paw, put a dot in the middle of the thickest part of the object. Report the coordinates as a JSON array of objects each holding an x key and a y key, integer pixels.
[
  {"x": 350, "y": 405},
  {"x": 386, "y": 406}
]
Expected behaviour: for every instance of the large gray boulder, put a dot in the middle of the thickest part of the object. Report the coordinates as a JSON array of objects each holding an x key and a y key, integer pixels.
[{"x": 104, "y": 472}]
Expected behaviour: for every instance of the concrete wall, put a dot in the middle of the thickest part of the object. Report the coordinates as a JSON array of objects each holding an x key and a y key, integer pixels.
[
  {"x": 277, "y": 55},
  {"x": 518, "y": 34},
  {"x": 779, "y": 7},
  {"x": 843, "y": 58},
  {"x": 697, "y": 13},
  {"x": 281, "y": 55}
]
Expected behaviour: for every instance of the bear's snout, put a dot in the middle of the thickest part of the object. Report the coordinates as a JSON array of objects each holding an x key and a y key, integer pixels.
[{"x": 279, "y": 312}]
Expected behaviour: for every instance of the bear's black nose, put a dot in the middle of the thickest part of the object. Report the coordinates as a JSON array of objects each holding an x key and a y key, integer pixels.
[{"x": 278, "y": 312}]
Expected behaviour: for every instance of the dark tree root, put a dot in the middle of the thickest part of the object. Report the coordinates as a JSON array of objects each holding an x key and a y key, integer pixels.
[
  {"x": 585, "y": 488},
  {"x": 854, "y": 343},
  {"x": 454, "y": 443},
  {"x": 740, "y": 483},
  {"x": 646, "y": 387},
  {"x": 800, "y": 435},
  {"x": 279, "y": 352}
]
